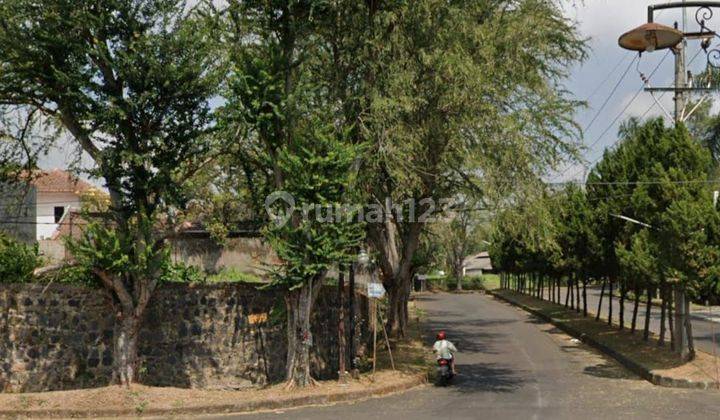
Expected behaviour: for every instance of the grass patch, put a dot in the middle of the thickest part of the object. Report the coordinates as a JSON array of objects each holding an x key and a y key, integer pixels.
[
  {"x": 233, "y": 275},
  {"x": 491, "y": 281}
]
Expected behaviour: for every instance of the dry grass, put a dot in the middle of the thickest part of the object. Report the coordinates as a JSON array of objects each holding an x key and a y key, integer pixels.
[
  {"x": 410, "y": 355},
  {"x": 140, "y": 399}
]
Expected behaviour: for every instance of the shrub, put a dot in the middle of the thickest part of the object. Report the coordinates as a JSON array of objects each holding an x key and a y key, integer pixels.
[
  {"x": 182, "y": 273},
  {"x": 17, "y": 260}
]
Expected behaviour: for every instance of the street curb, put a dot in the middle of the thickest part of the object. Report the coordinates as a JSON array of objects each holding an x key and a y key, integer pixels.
[
  {"x": 643, "y": 372},
  {"x": 240, "y": 407}
]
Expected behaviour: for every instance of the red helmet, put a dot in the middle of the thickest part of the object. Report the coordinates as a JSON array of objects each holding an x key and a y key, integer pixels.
[{"x": 441, "y": 335}]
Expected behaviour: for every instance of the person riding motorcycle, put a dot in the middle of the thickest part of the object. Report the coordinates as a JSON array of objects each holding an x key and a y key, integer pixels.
[{"x": 445, "y": 350}]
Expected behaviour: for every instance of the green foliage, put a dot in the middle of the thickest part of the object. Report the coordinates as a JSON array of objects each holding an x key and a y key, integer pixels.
[
  {"x": 308, "y": 245},
  {"x": 657, "y": 175},
  {"x": 182, "y": 273},
  {"x": 233, "y": 275},
  {"x": 17, "y": 260},
  {"x": 76, "y": 275},
  {"x": 690, "y": 236},
  {"x": 104, "y": 248}
]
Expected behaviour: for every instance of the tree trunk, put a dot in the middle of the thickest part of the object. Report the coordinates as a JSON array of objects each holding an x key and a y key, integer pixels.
[
  {"x": 126, "y": 357},
  {"x": 130, "y": 310},
  {"x": 646, "y": 331},
  {"x": 568, "y": 288},
  {"x": 396, "y": 253},
  {"x": 610, "y": 301},
  {"x": 671, "y": 325},
  {"x": 635, "y": 310},
  {"x": 299, "y": 303},
  {"x": 663, "y": 307},
  {"x": 602, "y": 294},
  {"x": 688, "y": 328},
  {"x": 623, "y": 292},
  {"x": 584, "y": 297},
  {"x": 559, "y": 290},
  {"x": 577, "y": 293}
]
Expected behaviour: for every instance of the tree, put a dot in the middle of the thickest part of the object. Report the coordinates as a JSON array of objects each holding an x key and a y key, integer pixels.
[
  {"x": 459, "y": 237},
  {"x": 130, "y": 82},
  {"x": 282, "y": 117},
  {"x": 450, "y": 106}
]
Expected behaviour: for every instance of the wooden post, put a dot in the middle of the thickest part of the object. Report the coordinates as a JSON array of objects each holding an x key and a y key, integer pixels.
[
  {"x": 387, "y": 341},
  {"x": 341, "y": 324},
  {"x": 373, "y": 304},
  {"x": 351, "y": 311}
]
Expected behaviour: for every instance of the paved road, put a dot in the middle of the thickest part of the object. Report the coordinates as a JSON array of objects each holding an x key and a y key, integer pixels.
[
  {"x": 514, "y": 366},
  {"x": 703, "y": 329}
]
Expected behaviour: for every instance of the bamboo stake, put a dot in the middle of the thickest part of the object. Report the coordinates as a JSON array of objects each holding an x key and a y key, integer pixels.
[{"x": 387, "y": 341}]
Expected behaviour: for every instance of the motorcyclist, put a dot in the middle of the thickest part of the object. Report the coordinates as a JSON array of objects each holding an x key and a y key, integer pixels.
[{"x": 444, "y": 349}]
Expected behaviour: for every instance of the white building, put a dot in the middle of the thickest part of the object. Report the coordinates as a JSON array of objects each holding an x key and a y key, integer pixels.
[
  {"x": 475, "y": 265},
  {"x": 33, "y": 212}
]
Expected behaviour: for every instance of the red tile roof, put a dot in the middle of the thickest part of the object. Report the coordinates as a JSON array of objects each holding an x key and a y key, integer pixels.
[{"x": 57, "y": 180}]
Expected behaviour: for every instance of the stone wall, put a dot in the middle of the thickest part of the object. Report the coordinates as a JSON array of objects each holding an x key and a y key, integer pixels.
[{"x": 224, "y": 336}]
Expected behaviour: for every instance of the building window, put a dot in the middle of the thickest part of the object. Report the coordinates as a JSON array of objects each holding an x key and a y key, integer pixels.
[{"x": 59, "y": 212}]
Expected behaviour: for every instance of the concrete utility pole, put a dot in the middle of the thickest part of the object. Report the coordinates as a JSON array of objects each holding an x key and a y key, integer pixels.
[{"x": 680, "y": 334}]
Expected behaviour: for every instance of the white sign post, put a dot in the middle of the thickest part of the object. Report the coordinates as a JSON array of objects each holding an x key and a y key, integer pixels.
[{"x": 375, "y": 290}]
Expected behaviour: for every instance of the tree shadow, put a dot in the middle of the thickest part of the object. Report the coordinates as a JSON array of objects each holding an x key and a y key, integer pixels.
[
  {"x": 490, "y": 377},
  {"x": 610, "y": 371},
  {"x": 468, "y": 336}
]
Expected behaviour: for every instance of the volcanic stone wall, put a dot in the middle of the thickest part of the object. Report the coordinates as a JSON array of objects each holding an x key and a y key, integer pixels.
[{"x": 227, "y": 336}]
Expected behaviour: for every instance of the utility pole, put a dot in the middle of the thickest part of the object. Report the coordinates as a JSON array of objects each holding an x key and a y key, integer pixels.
[
  {"x": 680, "y": 340},
  {"x": 653, "y": 36}
]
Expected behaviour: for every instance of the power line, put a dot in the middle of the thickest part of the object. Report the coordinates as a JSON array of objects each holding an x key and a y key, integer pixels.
[
  {"x": 650, "y": 108},
  {"x": 612, "y": 92},
  {"x": 610, "y": 73},
  {"x": 620, "y": 114}
]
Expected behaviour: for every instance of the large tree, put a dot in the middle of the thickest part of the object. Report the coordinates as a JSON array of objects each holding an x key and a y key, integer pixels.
[
  {"x": 464, "y": 98},
  {"x": 129, "y": 81},
  {"x": 290, "y": 143}
]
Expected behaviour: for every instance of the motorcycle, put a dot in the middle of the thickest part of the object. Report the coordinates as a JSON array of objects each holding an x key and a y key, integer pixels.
[{"x": 445, "y": 373}]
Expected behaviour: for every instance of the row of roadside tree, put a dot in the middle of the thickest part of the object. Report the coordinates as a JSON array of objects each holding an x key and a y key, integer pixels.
[{"x": 643, "y": 226}]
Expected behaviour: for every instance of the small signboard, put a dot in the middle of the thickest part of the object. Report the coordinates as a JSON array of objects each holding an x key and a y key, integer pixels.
[{"x": 375, "y": 290}]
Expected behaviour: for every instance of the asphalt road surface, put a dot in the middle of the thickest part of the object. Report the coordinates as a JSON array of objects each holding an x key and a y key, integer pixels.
[{"x": 513, "y": 366}]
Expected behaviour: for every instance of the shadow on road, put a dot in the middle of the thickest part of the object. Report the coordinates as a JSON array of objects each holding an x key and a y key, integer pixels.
[
  {"x": 609, "y": 370},
  {"x": 486, "y": 377},
  {"x": 477, "y": 339}
]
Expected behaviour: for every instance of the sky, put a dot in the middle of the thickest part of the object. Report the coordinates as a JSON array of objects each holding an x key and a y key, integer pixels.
[{"x": 602, "y": 22}]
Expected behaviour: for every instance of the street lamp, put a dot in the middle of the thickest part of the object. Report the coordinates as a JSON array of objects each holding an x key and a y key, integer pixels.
[
  {"x": 650, "y": 37},
  {"x": 653, "y": 36}
]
